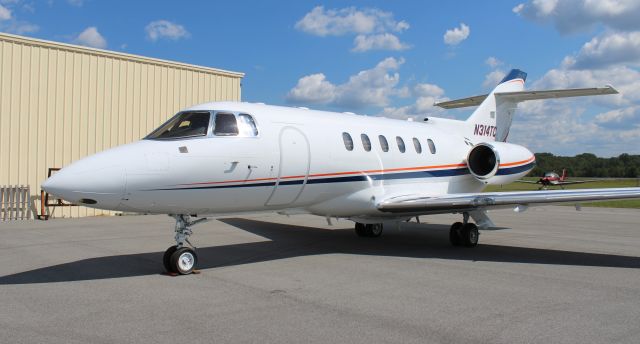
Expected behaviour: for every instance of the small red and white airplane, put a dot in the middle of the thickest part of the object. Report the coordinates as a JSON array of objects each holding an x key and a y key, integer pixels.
[
  {"x": 553, "y": 179},
  {"x": 232, "y": 157}
]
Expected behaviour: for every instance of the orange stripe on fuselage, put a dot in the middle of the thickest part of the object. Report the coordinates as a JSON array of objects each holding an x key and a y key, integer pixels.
[
  {"x": 519, "y": 162},
  {"x": 335, "y": 174}
]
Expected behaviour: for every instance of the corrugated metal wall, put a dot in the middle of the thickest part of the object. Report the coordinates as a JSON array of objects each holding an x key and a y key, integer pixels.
[{"x": 60, "y": 102}]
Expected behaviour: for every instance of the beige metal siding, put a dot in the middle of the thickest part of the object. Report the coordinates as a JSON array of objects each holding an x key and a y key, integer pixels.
[{"x": 59, "y": 103}]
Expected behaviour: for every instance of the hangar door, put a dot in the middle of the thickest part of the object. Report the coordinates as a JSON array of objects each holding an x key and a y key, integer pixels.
[{"x": 294, "y": 167}]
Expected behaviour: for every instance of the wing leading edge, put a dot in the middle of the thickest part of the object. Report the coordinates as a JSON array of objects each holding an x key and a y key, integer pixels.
[{"x": 481, "y": 201}]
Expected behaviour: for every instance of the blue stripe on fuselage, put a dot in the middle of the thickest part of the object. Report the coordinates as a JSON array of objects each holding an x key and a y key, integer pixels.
[{"x": 360, "y": 178}]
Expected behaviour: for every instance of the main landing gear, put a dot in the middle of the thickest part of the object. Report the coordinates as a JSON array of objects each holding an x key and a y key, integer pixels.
[
  {"x": 464, "y": 233},
  {"x": 371, "y": 230},
  {"x": 179, "y": 258}
]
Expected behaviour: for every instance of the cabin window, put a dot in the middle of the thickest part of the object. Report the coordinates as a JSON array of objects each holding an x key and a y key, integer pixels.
[
  {"x": 247, "y": 126},
  {"x": 183, "y": 125},
  {"x": 225, "y": 125},
  {"x": 432, "y": 146},
  {"x": 366, "y": 143},
  {"x": 384, "y": 145},
  {"x": 400, "y": 143},
  {"x": 417, "y": 145},
  {"x": 348, "y": 142}
]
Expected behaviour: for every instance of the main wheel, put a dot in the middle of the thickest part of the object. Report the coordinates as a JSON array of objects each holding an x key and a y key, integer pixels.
[
  {"x": 454, "y": 234},
  {"x": 183, "y": 260},
  {"x": 469, "y": 234},
  {"x": 360, "y": 229},
  {"x": 166, "y": 258},
  {"x": 374, "y": 230}
]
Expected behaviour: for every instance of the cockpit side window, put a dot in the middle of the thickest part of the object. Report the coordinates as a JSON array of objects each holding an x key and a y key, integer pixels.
[
  {"x": 247, "y": 126},
  {"x": 225, "y": 125},
  {"x": 183, "y": 125}
]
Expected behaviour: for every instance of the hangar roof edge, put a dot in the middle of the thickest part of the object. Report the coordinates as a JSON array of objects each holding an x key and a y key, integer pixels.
[{"x": 115, "y": 54}]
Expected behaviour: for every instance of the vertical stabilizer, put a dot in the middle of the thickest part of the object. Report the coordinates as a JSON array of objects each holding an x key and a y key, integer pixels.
[{"x": 492, "y": 119}]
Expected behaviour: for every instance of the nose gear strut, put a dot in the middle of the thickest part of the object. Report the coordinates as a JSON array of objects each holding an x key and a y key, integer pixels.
[{"x": 179, "y": 258}]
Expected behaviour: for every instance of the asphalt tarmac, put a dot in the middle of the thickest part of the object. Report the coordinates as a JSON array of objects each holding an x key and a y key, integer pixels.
[{"x": 551, "y": 275}]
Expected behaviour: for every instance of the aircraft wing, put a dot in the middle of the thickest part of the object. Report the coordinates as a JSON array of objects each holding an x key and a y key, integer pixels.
[
  {"x": 487, "y": 200},
  {"x": 528, "y": 95}
]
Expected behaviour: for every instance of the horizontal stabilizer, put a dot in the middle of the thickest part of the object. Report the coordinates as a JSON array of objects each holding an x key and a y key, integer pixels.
[{"x": 528, "y": 95}]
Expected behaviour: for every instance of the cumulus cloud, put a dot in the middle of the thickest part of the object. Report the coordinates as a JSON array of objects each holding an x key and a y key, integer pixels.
[
  {"x": 456, "y": 35},
  {"x": 492, "y": 79},
  {"x": 371, "y": 87},
  {"x": 336, "y": 22},
  {"x": 620, "y": 118},
  {"x": 492, "y": 62},
  {"x": 608, "y": 49},
  {"x": 165, "y": 29},
  {"x": 426, "y": 95},
  {"x": 569, "y": 16},
  {"x": 384, "y": 41},
  {"x": 90, "y": 37},
  {"x": 5, "y": 13},
  {"x": 374, "y": 29}
]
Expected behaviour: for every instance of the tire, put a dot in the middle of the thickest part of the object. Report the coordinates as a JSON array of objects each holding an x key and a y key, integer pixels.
[
  {"x": 184, "y": 260},
  {"x": 470, "y": 235},
  {"x": 455, "y": 236},
  {"x": 374, "y": 230},
  {"x": 166, "y": 258},
  {"x": 361, "y": 230}
]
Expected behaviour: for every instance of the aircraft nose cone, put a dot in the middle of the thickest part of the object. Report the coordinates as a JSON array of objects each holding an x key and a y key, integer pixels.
[{"x": 88, "y": 182}]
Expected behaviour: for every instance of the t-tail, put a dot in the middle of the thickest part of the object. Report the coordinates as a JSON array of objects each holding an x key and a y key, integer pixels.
[{"x": 491, "y": 121}]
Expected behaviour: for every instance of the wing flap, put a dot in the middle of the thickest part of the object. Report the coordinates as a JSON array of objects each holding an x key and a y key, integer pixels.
[{"x": 469, "y": 201}]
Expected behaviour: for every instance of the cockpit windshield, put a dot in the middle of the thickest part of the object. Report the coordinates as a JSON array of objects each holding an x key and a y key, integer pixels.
[{"x": 183, "y": 125}]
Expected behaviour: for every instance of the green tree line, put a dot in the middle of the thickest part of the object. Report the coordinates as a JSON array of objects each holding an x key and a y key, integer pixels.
[{"x": 588, "y": 165}]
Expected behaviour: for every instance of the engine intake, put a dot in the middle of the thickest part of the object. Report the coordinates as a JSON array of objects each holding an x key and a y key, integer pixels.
[
  {"x": 499, "y": 162},
  {"x": 483, "y": 161}
]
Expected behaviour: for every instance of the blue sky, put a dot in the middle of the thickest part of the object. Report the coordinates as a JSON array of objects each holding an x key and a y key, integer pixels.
[{"x": 386, "y": 58}]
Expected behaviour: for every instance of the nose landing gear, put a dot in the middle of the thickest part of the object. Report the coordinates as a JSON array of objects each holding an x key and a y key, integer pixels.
[{"x": 179, "y": 258}]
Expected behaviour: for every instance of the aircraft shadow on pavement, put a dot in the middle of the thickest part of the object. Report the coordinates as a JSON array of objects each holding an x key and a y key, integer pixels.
[{"x": 288, "y": 241}]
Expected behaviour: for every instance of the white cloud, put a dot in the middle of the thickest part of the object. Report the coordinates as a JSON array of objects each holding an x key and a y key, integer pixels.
[
  {"x": 336, "y": 22},
  {"x": 165, "y": 29},
  {"x": 383, "y": 41},
  {"x": 371, "y": 87},
  {"x": 90, "y": 37},
  {"x": 620, "y": 118},
  {"x": 492, "y": 79},
  {"x": 492, "y": 62},
  {"x": 608, "y": 49},
  {"x": 426, "y": 95},
  {"x": 374, "y": 29},
  {"x": 570, "y": 16},
  {"x": 312, "y": 89},
  {"x": 456, "y": 35},
  {"x": 5, "y": 13}
]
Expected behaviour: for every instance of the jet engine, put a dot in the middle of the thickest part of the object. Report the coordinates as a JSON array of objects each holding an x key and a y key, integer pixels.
[{"x": 499, "y": 163}]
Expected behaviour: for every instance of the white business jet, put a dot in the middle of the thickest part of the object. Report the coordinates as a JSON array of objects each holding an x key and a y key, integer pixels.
[{"x": 232, "y": 157}]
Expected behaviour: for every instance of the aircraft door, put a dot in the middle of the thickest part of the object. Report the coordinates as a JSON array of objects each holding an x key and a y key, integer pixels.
[{"x": 294, "y": 167}]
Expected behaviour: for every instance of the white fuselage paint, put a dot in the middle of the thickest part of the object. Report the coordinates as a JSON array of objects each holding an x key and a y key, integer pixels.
[{"x": 297, "y": 163}]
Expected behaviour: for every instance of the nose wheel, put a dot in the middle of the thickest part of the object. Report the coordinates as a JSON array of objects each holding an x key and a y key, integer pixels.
[
  {"x": 180, "y": 259},
  {"x": 372, "y": 230}
]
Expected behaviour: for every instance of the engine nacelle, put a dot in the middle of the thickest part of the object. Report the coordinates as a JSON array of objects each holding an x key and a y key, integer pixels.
[{"x": 499, "y": 163}]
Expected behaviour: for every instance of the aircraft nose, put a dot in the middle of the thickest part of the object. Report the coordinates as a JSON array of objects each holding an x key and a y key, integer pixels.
[{"x": 89, "y": 182}]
